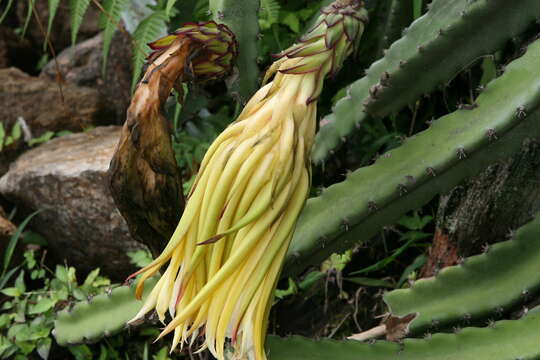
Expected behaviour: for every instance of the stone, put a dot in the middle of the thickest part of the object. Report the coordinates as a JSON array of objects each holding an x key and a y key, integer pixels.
[
  {"x": 81, "y": 65},
  {"x": 42, "y": 107},
  {"x": 67, "y": 178}
]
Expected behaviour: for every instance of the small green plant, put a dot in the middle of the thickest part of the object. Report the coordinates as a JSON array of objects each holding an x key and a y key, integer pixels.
[
  {"x": 14, "y": 135},
  {"x": 28, "y": 315}
]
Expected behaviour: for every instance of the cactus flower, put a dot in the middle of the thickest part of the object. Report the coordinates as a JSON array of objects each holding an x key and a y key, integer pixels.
[
  {"x": 211, "y": 61},
  {"x": 143, "y": 167},
  {"x": 226, "y": 254}
]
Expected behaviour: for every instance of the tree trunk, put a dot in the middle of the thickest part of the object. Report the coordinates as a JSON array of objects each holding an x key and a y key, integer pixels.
[{"x": 486, "y": 209}]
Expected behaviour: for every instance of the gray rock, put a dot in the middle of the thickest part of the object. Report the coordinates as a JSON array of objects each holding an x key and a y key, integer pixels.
[
  {"x": 39, "y": 102},
  {"x": 81, "y": 65},
  {"x": 67, "y": 177}
]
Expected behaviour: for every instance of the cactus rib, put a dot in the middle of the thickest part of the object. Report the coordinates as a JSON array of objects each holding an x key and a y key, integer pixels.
[
  {"x": 434, "y": 49},
  {"x": 456, "y": 146},
  {"x": 481, "y": 286},
  {"x": 242, "y": 18},
  {"x": 104, "y": 315},
  {"x": 505, "y": 340}
]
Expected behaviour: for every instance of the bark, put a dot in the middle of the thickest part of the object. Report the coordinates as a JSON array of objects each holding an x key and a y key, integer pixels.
[{"x": 486, "y": 209}]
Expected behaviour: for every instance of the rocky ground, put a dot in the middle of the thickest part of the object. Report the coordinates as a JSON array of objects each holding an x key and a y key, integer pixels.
[{"x": 64, "y": 177}]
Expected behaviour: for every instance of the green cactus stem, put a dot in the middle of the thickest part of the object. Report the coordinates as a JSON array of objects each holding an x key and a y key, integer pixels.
[
  {"x": 388, "y": 19},
  {"x": 483, "y": 286},
  {"x": 456, "y": 146},
  {"x": 104, "y": 315},
  {"x": 437, "y": 46},
  {"x": 503, "y": 340},
  {"x": 242, "y": 18}
]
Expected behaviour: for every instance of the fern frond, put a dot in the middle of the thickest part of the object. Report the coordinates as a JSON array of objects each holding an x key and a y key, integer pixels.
[
  {"x": 270, "y": 10},
  {"x": 77, "y": 9},
  {"x": 8, "y": 7},
  {"x": 109, "y": 21},
  {"x": 149, "y": 29},
  {"x": 53, "y": 6},
  {"x": 169, "y": 6}
]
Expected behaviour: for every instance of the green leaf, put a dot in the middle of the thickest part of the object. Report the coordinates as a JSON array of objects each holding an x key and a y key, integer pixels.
[
  {"x": 291, "y": 20},
  {"x": 103, "y": 353},
  {"x": 19, "y": 282},
  {"x": 29, "y": 13},
  {"x": 337, "y": 262},
  {"x": 364, "y": 281},
  {"x": 113, "y": 10},
  {"x": 79, "y": 294},
  {"x": 384, "y": 262},
  {"x": 162, "y": 354},
  {"x": 37, "y": 274},
  {"x": 77, "y": 9},
  {"x": 33, "y": 238},
  {"x": 416, "y": 264},
  {"x": 41, "y": 306},
  {"x": 5, "y": 278},
  {"x": 169, "y": 6},
  {"x": 149, "y": 29},
  {"x": 139, "y": 258},
  {"x": 13, "y": 242},
  {"x": 8, "y": 7},
  {"x": 32, "y": 333},
  {"x": 29, "y": 259},
  {"x": 44, "y": 348},
  {"x": 2, "y": 136},
  {"x": 20, "y": 316},
  {"x": 48, "y": 135},
  {"x": 53, "y": 6},
  {"x": 415, "y": 222},
  {"x": 12, "y": 291},
  {"x": 269, "y": 13},
  {"x": 310, "y": 279},
  {"x": 90, "y": 278},
  {"x": 16, "y": 131},
  {"x": 4, "y": 321},
  {"x": 26, "y": 347},
  {"x": 63, "y": 133},
  {"x": 61, "y": 273},
  {"x": 81, "y": 352},
  {"x": 292, "y": 289}
]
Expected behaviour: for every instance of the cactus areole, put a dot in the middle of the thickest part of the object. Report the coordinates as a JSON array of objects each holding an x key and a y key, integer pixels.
[{"x": 226, "y": 254}]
